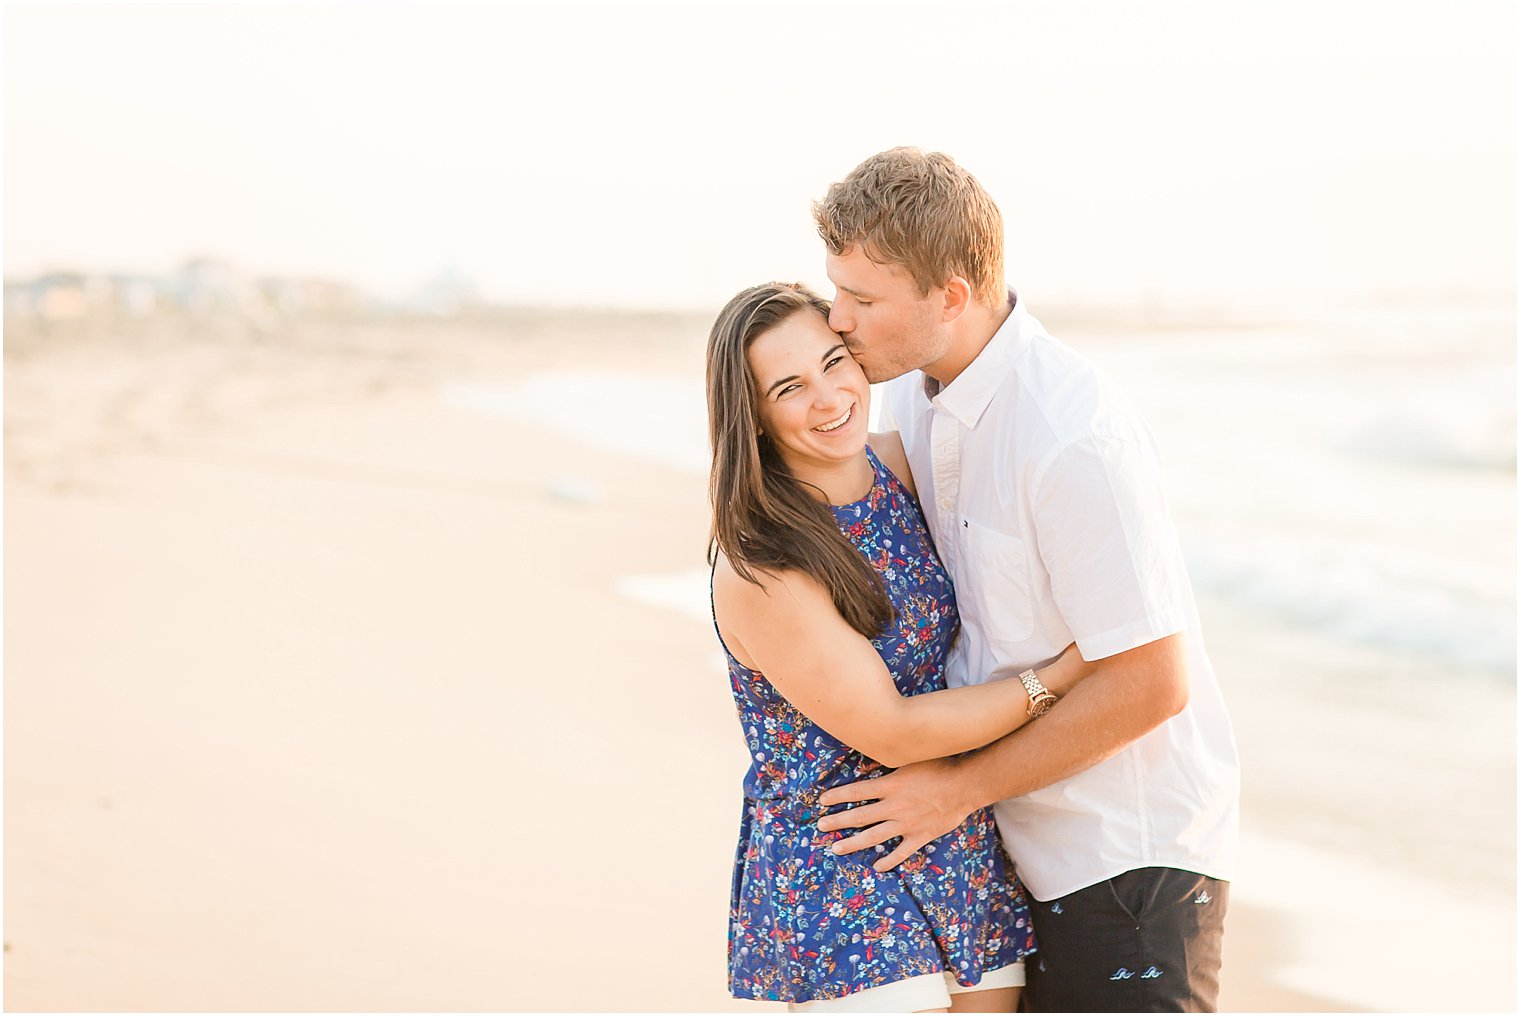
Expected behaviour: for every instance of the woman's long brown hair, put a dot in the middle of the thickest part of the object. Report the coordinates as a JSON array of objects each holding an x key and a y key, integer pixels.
[{"x": 764, "y": 518}]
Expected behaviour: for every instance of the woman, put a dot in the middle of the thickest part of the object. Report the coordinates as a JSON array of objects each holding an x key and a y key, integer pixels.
[{"x": 837, "y": 617}]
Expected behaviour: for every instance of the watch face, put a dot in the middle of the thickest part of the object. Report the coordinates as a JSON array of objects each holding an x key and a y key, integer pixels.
[{"x": 1043, "y": 703}]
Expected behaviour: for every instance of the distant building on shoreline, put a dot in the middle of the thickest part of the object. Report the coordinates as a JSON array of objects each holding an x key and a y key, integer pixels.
[{"x": 201, "y": 287}]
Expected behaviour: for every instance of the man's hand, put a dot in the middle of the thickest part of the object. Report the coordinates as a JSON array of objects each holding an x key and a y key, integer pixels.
[{"x": 919, "y": 802}]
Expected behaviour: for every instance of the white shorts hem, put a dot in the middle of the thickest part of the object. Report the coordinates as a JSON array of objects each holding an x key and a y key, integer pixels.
[{"x": 913, "y": 994}]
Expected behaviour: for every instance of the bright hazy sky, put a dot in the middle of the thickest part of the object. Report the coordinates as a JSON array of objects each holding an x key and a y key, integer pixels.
[{"x": 666, "y": 154}]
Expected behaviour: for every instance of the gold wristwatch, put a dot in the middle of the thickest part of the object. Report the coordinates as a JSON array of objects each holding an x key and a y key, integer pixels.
[{"x": 1041, "y": 698}]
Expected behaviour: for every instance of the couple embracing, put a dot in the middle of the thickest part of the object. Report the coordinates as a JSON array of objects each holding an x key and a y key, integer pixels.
[{"x": 992, "y": 769}]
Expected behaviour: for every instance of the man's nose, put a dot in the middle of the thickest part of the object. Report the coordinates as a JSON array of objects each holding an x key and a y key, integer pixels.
[{"x": 839, "y": 321}]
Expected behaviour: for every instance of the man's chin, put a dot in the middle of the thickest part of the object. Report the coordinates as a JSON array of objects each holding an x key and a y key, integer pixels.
[{"x": 876, "y": 375}]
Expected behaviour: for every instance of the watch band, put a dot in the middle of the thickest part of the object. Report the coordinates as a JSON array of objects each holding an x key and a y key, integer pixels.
[{"x": 1041, "y": 698}]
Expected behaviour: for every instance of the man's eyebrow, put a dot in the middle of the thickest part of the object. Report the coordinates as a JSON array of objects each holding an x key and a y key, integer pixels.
[{"x": 857, "y": 294}]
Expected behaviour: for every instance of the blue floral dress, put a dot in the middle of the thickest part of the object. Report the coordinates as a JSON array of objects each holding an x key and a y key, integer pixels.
[{"x": 806, "y": 924}]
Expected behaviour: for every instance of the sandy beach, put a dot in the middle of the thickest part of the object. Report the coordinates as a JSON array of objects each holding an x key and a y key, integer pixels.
[{"x": 326, "y": 692}]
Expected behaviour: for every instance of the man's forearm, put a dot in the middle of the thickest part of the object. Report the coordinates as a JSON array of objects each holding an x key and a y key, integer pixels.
[{"x": 1128, "y": 696}]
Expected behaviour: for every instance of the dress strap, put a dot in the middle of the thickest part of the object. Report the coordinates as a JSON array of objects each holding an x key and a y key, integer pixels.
[{"x": 876, "y": 465}]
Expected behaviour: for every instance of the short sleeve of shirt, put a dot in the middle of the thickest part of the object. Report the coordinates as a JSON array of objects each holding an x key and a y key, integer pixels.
[{"x": 1108, "y": 544}]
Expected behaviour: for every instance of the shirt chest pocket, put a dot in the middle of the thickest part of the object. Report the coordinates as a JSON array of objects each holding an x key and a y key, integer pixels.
[{"x": 993, "y": 583}]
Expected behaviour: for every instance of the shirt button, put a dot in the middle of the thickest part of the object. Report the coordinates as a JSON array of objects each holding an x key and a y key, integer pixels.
[{"x": 945, "y": 503}]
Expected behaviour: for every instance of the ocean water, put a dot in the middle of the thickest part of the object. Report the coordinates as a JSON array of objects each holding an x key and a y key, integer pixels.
[
  {"x": 1363, "y": 484},
  {"x": 1356, "y": 476}
]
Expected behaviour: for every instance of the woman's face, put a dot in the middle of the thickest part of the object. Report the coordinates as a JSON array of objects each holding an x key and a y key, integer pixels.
[{"x": 815, "y": 402}]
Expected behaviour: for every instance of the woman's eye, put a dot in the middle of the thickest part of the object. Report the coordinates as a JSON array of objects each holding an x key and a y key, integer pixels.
[
  {"x": 830, "y": 364},
  {"x": 785, "y": 391}
]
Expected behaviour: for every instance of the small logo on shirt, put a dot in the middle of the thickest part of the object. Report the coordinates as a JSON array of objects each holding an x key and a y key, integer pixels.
[
  {"x": 1122, "y": 975},
  {"x": 1150, "y": 973},
  {"x": 1057, "y": 909},
  {"x": 1203, "y": 897}
]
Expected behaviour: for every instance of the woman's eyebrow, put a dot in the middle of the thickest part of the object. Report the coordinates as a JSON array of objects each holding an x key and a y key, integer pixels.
[
  {"x": 793, "y": 377},
  {"x": 778, "y": 384}
]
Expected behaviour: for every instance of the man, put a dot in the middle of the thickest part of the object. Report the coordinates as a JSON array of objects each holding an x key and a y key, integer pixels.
[{"x": 1041, "y": 487}]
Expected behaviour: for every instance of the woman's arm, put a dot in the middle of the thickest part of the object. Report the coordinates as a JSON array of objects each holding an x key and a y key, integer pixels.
[{"x": 788, "y": 629}]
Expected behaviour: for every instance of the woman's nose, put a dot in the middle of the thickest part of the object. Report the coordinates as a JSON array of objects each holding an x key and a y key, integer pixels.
[{"x": 827, "y": 395}]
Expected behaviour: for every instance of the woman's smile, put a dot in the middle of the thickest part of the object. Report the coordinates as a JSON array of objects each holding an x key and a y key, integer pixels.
[{"x": 834, "y": 425}]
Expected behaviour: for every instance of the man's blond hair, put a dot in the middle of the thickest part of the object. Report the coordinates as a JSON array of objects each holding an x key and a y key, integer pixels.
[{"x": 922, "y": 211}]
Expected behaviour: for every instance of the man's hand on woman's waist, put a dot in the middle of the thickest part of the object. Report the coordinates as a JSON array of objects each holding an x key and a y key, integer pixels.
[{"x": 919, "y": 802}]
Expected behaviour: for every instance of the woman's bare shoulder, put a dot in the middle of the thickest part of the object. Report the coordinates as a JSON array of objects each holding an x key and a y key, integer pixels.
[
  {"x": 753, "y": 613},
  {"x": 733, "y": 589},
  {"x": 888, "y": 447}
]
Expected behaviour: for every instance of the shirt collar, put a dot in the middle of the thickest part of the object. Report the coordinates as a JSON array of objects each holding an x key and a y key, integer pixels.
[{"x": 968, "y": 396}]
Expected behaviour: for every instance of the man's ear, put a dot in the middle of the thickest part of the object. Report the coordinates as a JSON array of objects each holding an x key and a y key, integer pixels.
[{"x": 957, "y": 293}]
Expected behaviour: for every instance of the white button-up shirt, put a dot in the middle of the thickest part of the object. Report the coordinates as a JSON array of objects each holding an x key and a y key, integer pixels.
[{"x": 1042, "y": 489}]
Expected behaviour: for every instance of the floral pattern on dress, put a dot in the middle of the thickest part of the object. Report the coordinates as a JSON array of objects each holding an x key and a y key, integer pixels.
[{"x": 806, "y": 924}]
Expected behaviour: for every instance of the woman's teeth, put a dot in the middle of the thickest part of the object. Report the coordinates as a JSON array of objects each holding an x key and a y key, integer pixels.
[{"x": 836, "y": 424}]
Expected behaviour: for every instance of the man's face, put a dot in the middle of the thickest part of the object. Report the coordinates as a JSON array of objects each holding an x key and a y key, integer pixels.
[{"x": 889, "y": 328}]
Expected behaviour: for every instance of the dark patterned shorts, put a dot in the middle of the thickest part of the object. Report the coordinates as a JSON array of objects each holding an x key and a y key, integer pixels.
[{"x": 1144, "y": 941}]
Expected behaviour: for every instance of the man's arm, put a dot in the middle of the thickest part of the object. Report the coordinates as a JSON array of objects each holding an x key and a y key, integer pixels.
[
  {"x": 1116, "y": 575},
  {"x": 1127, "y": 696}
]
